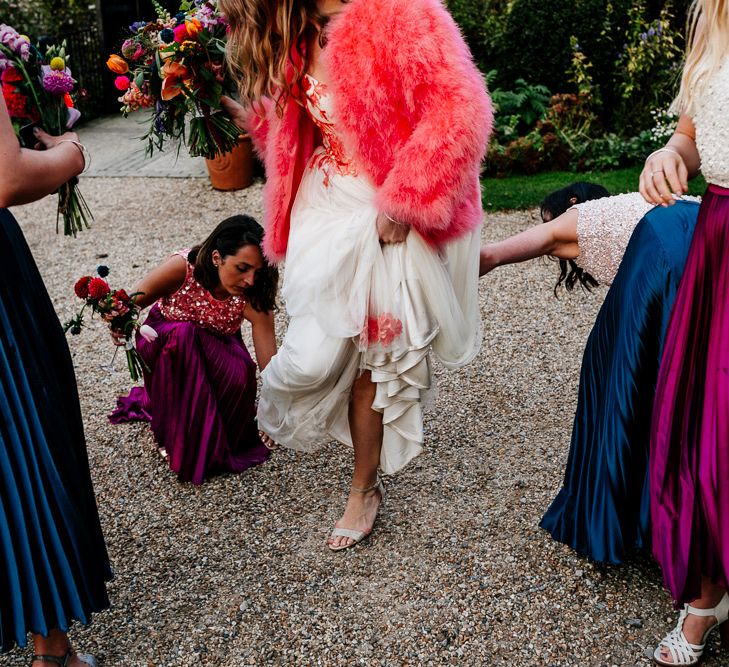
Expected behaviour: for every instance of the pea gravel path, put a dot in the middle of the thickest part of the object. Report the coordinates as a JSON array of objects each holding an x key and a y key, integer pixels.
[{"x": 457, "y": 571}]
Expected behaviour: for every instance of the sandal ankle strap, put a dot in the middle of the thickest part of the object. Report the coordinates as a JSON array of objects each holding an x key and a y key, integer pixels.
[
  {"x": 372, "y": 487},
  {"x": 61, "y": 660}
]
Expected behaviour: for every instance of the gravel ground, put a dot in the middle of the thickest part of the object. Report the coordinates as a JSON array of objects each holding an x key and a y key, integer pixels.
[{"x": 457, "y": 571}]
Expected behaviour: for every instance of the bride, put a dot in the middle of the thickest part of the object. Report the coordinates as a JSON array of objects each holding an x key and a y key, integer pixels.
[{"x": 372, "y": 120}]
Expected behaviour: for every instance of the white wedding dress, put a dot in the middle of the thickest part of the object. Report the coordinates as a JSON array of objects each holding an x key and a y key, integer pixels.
[{"x": 355, "y": 305}]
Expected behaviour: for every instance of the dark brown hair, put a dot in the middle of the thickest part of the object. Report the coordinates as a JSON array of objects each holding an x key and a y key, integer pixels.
[
  {"x": 555, "y": 204},
  {"x": 227, "y": 238}
]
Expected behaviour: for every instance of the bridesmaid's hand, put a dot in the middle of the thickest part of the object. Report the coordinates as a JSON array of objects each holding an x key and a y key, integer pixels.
[
  {"x": 663, "y": 175},
  {"x": 46, "y": 141},
  {"x": 237, "y": 112},
  {"x": 389, "y": 231},
  {"x": 118, "y": 338}
]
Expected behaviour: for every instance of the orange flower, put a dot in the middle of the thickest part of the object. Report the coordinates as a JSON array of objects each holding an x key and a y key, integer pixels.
[
  {"x": 174, "y": 76},
  {"x": 193, "y": 27},
  {"x": 117, "y": 64}
]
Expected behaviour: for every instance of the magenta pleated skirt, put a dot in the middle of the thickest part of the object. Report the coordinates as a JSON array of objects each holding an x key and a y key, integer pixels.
[
  {"x": 199, "y": 397},
  {"x": 689, "y": 464}
]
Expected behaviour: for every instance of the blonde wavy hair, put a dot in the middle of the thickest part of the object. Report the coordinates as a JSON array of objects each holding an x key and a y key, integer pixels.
[
  {"x": 707, "y": 44},
  {"x": 263, "y": 36}
]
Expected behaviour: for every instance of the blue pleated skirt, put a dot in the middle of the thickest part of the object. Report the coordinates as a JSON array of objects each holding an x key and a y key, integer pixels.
[
  {"x": 602, "y": 510},
  {"x": 53, "y": 561}
]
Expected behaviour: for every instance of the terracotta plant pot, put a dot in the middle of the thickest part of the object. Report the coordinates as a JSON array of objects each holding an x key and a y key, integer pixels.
[{"x": 234, "y": 170}]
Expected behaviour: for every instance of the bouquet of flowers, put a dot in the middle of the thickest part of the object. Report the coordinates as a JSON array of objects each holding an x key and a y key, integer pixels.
[
  {"x": 38, "y": 89},
  {"x": 176, "y": 67},
  {"x": 117, "y": 308}
]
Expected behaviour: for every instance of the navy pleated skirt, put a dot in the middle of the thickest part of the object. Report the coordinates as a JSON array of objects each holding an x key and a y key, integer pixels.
[
  {"x": 53, "y": 561},
  {"x": 602, "y": 510}
]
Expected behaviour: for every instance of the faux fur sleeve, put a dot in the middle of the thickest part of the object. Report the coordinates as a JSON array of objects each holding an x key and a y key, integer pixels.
[
  {"x": 257, "y": 125},
  {"x": 450, "y": 110}
]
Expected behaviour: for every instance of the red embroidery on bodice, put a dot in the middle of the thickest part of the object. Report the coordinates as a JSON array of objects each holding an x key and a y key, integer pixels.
[
  {"x": 193, "y": 303},
  {"x": 334, "y": 156}
]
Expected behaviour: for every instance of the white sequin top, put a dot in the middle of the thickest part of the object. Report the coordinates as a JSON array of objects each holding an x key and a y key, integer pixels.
[
  {"x": 604, "y": 227},
  {"x": 712, "y": 127}
]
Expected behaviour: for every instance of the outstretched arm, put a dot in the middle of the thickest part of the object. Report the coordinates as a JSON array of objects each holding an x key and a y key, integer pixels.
[
  {"x": 264, "y": 335},
  {"x": 161, "y": 281},
  {"x": 557, "y": 238}
]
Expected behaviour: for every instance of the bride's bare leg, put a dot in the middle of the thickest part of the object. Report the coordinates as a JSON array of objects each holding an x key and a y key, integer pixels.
[{"x": 366, "y": 427}]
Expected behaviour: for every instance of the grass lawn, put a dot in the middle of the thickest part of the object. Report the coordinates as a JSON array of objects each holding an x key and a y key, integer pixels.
[{"x": 519, "y": 192}]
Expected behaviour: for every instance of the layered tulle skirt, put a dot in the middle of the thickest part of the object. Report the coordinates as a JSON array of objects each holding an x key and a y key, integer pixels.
[
  {"x": 603, "y": 509},
  {"x": 53, "y": 562},
  {"x": 355, "y": 304},
  {"x": 199, "y": 396},
  {"x": 689, "y": 468}
]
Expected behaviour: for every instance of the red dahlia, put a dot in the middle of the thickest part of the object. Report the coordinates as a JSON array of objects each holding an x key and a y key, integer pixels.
[
  {"x": 98, "y": 288},
  {"x": 82, "y": 287}
]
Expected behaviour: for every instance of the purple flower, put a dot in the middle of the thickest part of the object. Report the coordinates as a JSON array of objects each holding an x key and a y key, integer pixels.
[
  {"x": 643, "y": 37},
  {"x": 137, "y": 25},
  {"x": 55, "y": 82},
  {"x": 651, "y": 32},
  {"x": 10, "y": 38}
]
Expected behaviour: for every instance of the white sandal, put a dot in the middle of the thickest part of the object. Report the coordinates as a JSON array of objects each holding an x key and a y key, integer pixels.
[
  {"x": 357, "y": 535},
  {"x": 682, "y": 652}
]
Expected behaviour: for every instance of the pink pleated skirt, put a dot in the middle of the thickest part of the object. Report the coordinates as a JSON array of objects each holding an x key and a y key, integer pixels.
[{"x": 689, "y": 464}]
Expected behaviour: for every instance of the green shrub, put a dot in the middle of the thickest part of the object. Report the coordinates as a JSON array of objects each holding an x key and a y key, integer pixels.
[
  {"x": 647, "y": 71},
  {"x": 39, "y": 17},
  {"x": 482, "y": 23},
  {"x": 518, "y": 110}
]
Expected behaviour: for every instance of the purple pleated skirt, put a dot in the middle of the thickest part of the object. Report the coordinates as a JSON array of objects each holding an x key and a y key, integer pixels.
[
  {"x": 199, "y": 397},
  {"x": 689, "y": 464}
]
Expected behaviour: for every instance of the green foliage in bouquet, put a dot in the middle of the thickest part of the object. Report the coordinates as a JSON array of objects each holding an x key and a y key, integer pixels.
[{"x": 175, "y": 66}]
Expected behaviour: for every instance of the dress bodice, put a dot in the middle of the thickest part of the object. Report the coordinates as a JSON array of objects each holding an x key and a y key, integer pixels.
[
  {"x": 712, "y": 128},
  {"x": 333, "y": 156},
  {"x": 193, "y": 303},
  {"x": 604, "y": 227}
]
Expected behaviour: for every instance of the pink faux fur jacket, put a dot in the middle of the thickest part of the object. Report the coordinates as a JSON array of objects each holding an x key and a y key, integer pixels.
[{"x": 411, "y": 108}]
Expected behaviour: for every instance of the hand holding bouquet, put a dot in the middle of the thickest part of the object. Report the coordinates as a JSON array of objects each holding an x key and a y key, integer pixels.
[
  {"x": 117, "y": 308},
  {"x": 176, "y": 66},
  {"x": 39, "y": 89}
]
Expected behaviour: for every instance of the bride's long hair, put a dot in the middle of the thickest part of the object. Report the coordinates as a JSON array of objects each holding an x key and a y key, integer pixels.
[
  {"x": 707, "y": 44},
  {"x": 264, "y": 34}
]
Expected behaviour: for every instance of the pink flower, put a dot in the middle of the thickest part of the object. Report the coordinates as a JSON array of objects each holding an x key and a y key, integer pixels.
[
  {"x": 148, "y": 333},
  {"x": 131, "y": 50},
  {"x": 72, "y": 117},
  {"x": 57, "y": 82},
  {"x": 383, "y": 329},
  {"x": 181, "y": 33},
  {"x": 122, "y": 83},
  {"x": 389, "y": 329}
]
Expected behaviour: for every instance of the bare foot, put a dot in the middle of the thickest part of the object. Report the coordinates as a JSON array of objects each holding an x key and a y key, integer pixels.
[{"x": 359, "y": 514}]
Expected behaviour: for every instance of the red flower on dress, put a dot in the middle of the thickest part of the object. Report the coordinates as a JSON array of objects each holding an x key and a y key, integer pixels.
[
  {"x": 98, "y": 288},
  {"x": 389, "y": 329},
  {"x": 383, "y": 329},
  {"x": 81, "y": 288}
]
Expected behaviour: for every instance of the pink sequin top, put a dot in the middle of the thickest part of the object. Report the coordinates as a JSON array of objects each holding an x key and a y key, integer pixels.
[
  {"x": 334, "y": 156},
  {"x": 193, "y": 303}
]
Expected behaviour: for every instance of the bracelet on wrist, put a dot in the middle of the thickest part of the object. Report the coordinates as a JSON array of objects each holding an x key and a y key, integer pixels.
[
  {"x": 82, "y": 149},
  {"x": 391, "y": 219},
  {"x": 665, "y": 149}
]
